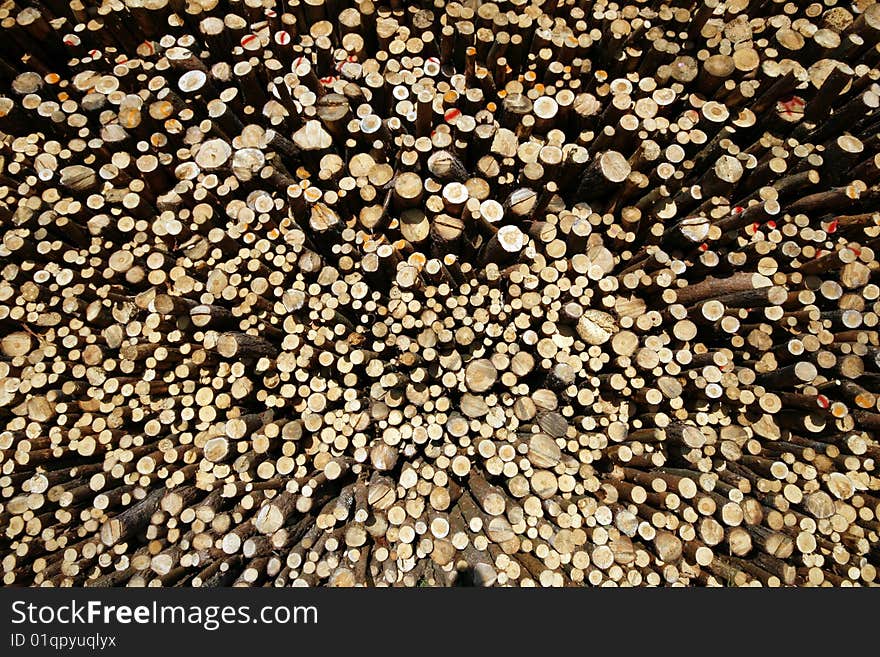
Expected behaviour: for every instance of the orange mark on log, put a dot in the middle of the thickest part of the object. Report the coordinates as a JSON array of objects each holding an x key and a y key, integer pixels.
[
  {"x": 417, "y": 260},
  {"x": 791, "y": 106},
  {"x": 794, "y": 102}
]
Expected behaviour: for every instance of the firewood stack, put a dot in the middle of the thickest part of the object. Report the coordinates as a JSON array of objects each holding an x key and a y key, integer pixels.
[{"x": 519, "y": 293}]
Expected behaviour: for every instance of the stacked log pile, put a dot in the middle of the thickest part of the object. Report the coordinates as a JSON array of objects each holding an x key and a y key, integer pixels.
[{"x": 516, "y": 293}]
